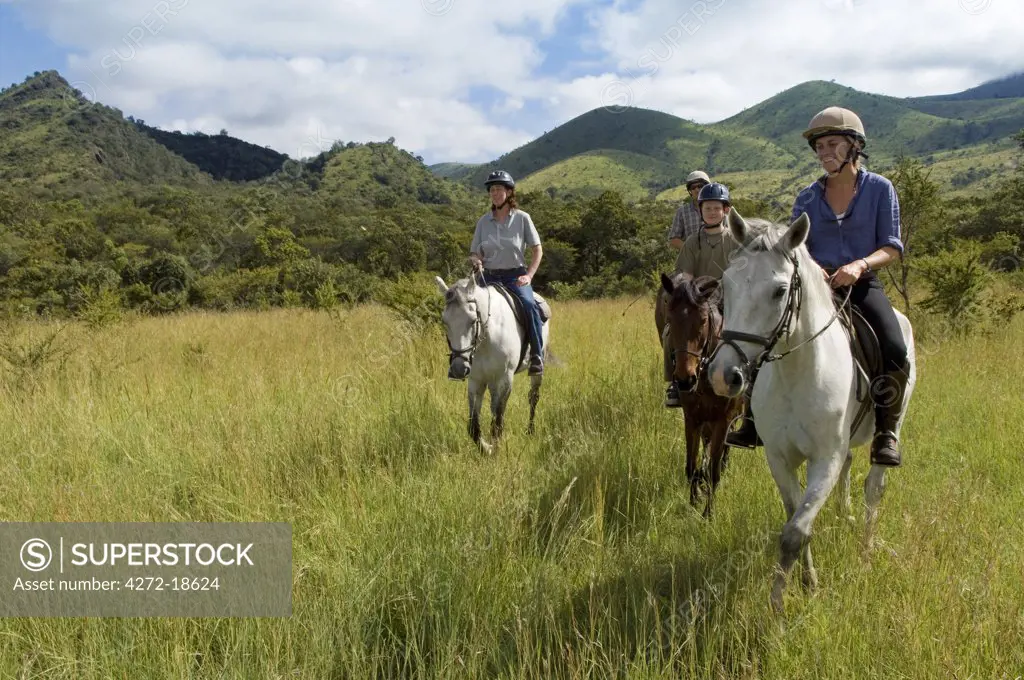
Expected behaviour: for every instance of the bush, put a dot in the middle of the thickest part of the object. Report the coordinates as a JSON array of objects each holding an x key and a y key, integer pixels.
[
  {"x": 413, "y": 297},
  {"x": 962, "y": 291}
]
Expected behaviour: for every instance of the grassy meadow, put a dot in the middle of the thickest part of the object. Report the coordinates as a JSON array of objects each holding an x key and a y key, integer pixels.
[{"x": 570, "y": 554}]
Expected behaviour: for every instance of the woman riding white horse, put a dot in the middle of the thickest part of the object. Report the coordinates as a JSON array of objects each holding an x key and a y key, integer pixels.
[
  {"x": 498, "y": 243},
  {"x": 782, "y": 335},
  {"x": 855, "y": 231},
  {"x": 486, "y": 343}
]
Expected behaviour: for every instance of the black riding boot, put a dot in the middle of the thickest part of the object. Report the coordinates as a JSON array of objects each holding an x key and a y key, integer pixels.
[
  {"x": 536, "y": 360},
  {"x": 745, "y": 437},
  {"x": 888, "y": 410}
]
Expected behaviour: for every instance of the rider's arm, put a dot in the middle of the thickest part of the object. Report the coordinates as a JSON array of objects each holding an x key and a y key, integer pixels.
[
  {"x": 880, "y": 258},
  {"x": 531, "y": 239},
  {"x": 687, "y": 260},
  {"x": 475, "y": 248},
  {"x": 536, "y": 253},
  {"x": 675, "y": 232},
  {"x": 888, "y": 245}
]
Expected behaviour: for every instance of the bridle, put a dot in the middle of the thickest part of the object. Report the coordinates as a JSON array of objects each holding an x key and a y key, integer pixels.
[
  {"x": 479, "y": 329},
  {"x": 706, "y": 351},
  {"x": 750, "y": 366}
]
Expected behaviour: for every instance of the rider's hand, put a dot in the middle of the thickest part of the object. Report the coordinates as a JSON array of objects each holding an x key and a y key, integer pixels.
[
  {"x": 848, "y": 274},
  {"x": 524, "y": 280}
]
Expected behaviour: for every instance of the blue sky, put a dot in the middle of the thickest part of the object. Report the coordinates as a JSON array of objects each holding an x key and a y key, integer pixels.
[
  {"x": 468, "y": 81},
  {"x": 24, "y": 50}
]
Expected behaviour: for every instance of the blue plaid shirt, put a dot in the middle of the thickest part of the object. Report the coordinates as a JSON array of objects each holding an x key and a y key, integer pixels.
[
  {"x": 686, "y": 222},
  {"x": 872, "y": 221}
]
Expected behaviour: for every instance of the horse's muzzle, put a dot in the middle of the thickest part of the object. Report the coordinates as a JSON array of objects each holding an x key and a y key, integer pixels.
[
  {"x": 458, "y": 369},
  {"x": 687, "y": 384},
  {"x": 735, "y": 382}
]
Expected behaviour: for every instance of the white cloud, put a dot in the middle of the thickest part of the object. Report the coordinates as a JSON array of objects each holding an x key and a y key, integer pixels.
[
  {"x": 708, "y": 59},
  {"x": 297, "y": 75}
]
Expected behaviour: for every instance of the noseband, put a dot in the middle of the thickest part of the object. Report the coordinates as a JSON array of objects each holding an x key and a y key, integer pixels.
[
  {"x": 705, "y": 353},
  {"x": 479, "y": 327},
  {"x": 750, "y": 367}
]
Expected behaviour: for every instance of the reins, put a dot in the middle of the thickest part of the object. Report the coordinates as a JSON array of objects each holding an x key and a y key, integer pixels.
[
  {"x": 479, "y": 327},
  {"x": 783, "y": 327}
]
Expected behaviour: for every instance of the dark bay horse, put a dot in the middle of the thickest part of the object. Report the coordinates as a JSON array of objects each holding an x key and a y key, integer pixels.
[{"x": 691, "y": 308}]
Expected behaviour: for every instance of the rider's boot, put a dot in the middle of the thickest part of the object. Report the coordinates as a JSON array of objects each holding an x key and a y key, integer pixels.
[
  {"x": 888, "y": 410},
  {"x": 536, "y": 363},
  {"x": 746, "y": 437},
  {"x": 672, "y": 395}
]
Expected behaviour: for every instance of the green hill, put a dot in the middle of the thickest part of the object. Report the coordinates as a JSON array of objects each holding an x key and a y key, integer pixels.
[
  {"x": 221, "y": 156},
  {"x": 55, "y": 138},
  {"x": 381, "y": 175},
  {"x": 453, "y": 171},
  {"x": 894, "y": 126},
  {"x": 647, "y": 153},
  {"x": 661, "y": 137},
  {"x": 583, "y": 175}
]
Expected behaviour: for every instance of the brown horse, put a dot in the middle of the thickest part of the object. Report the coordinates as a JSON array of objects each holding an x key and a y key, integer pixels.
[{"x": 691, "y": 308}]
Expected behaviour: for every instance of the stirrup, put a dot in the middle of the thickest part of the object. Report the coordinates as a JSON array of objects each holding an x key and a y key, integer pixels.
[{"x": 746, "y": 437}]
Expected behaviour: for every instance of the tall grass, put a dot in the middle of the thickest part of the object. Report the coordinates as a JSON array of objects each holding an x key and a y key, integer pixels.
[{"x": 573, "y": 553}]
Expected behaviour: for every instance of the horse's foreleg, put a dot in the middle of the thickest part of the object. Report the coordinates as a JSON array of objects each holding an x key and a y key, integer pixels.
[
  {"x": 846, "y": 505},
  {"x": 716, "y": 452},
  {"x": 535, "y": 381},
  {"x": 476, "y": 398},
  {"x": 874, "y": 489},
  {"x": 692, "y": 435},
  {"x": 788, "y": 482},
  {"x": 500, "y": 392},
  {"x": 822, "y": 475}
]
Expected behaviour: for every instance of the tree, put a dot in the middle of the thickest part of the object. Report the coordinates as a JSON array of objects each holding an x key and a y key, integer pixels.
[
  {"x": 919, "y": 208},
  {"x": 606, "y": 221}
]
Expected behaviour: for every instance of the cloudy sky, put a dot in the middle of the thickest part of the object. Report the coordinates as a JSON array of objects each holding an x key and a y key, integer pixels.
[{"x": 468, "y": 80}]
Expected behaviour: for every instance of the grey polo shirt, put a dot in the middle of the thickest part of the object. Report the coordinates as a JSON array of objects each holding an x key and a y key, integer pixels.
[{"x": 500, "y": 244}]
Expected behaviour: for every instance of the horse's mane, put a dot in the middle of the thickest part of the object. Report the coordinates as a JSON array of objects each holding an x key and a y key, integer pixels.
[
  {"x": 687, "y": 289},
  {"x": 766, "y": 236}
]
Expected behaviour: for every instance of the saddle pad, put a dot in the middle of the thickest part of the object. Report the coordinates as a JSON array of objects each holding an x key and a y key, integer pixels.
[{"x": 518, "y": 312}]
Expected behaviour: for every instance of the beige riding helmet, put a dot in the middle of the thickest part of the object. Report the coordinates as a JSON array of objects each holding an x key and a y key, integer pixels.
[
  {"x": 697, "y": 176},
  {"x": 835, "y": 121}
]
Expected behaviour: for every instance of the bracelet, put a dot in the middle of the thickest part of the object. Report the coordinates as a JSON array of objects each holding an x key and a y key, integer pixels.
[{"x": 866, "y": 263}]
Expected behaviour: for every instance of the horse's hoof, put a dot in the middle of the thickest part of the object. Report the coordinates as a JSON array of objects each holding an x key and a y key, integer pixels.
[{"x": 809, "y": 578}]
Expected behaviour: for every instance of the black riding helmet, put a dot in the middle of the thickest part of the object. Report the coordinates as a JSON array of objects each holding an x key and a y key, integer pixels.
[
  {"x": 500, "y": 177},
  {"x": 714, "y": 192}
]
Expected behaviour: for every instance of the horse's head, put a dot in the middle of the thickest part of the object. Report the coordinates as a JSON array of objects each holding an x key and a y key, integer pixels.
[
  {"x": 762, "y": 288},
  {"x": 692, "y": 314},
  {"x": 462, "y": 324}
]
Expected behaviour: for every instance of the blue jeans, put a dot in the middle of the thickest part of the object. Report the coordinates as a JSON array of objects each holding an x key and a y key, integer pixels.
[{"x": 525, "y": 295}]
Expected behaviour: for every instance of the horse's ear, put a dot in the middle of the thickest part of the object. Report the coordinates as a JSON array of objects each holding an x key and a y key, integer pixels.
[
  {"x": 708, "y": 286},
  {"x": 666, "y": 283},
  {"x": 797, "y": 232},
  {"x": 441, "y": 285},
  {"x": 738, "y": 226}
]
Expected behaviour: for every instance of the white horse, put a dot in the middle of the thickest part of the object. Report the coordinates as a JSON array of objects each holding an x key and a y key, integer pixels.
[
  {"x": 805, "y": 397},
  {"x": 486, "y": 344}
]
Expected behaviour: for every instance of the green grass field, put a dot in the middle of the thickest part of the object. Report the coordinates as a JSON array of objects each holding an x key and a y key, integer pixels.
[{"x": 573, "y": 553}]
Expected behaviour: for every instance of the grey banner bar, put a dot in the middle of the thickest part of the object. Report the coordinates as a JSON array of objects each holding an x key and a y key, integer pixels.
[{"x": 145, "y": 569}]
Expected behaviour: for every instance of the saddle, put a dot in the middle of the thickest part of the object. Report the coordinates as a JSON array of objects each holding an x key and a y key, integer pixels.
[
  {"x": 867, "y": 353},
  {"x": 520, "y": 315}
]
